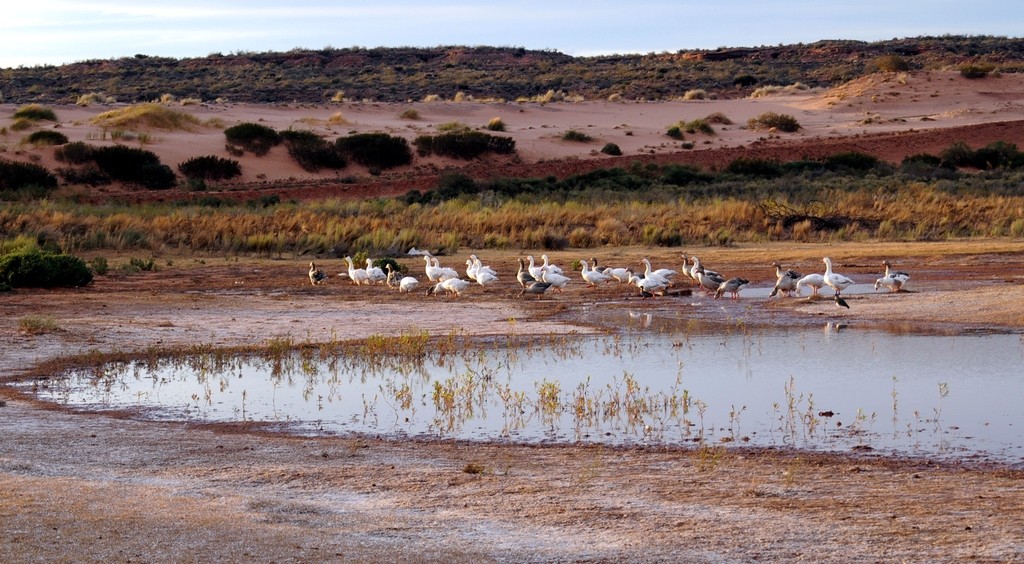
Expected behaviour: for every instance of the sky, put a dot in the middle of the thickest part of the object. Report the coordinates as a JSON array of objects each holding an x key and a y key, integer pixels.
[{"x": 54, "y": 32}]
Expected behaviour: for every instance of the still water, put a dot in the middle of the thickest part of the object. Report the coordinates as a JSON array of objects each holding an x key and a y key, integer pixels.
[{"x": 824, "y": 388}]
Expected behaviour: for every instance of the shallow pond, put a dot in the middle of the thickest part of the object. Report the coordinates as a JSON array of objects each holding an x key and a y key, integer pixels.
[{"x": 828, "y": 387}]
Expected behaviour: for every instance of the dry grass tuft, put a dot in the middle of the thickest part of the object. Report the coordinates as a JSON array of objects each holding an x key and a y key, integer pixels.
[{"x": 147, "y": 116}]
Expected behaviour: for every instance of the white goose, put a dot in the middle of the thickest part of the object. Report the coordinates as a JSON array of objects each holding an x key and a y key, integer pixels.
[
  {"x": 665, "y": 274},
  {"x": 450, "y": 286},
  {"x": 618, "y": 273},
  {"x": 479, "y": 266},
  {"x": 437, "y": 273},
  {"x": 358, "y": 276},
  {"x": 408, "y": 284},
  {"x": 892, "y": 279},
  {"x": 687, "y": 269},
  {"x": 316, "y": 276},
  {"x": 535, "y": 271},
  {"x": 549, "y": 266},
  {"x": 698, "y": 267},
  {"x": 593, "y": 277},
  {"x": 648, "y": 286},
  {"x": 815, "y": 281},
  {"x": 374, "y": 274},
  {"x": 556, "y": 280},
  {"x": 485, "y": 278},
  {"x": 834, "y": 280}
]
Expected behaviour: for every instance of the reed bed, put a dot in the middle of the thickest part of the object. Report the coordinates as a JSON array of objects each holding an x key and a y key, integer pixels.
[{"x": 879, "y": 209}]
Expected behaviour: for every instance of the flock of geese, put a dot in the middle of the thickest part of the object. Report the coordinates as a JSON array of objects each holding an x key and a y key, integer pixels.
[{"x": 537, "y": 279}]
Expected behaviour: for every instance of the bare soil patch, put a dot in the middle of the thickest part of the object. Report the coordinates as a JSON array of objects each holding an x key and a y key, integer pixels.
[{"x": 94, "y": 487}]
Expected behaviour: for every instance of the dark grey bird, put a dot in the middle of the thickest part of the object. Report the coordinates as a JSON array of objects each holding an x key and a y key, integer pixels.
[
  {"x": 316, "y": 276},
  {"x": 523, "y": 276},
  {"x": 537, "y": 288},
  {"x": 785, "y": 280},
  {"x": 731, "y": 286}
]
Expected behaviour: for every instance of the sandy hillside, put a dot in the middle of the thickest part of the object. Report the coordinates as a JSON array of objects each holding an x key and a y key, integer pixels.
[{"x": 877, "y": 104}]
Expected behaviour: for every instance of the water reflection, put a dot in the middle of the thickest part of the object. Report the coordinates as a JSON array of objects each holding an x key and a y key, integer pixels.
[{"x": 841, "y": 388}]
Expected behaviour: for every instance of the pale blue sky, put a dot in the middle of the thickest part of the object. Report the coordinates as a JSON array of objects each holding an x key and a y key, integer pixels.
[{"x": 61, "y": 31}]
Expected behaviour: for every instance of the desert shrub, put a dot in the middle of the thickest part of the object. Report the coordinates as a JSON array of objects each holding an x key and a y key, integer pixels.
[
  {"x": 744, "y": 81},
  {"x": 464, "y": 144},
  {"x": 46, "y": 137},
  {"x": 16, "y": 176},
  {"x": 337, "y": 118},
  {"x": 718, "y": 118},
  {"x": 998, "y": 154},
  {"x": 94, "y": 98},
  {"x": 135, "y": 166},
  {"x": 409, "y": 113},
  {"x": 87, "y": 175},
  {"x": 763, "y": 168},
  {"x": 697, "y": 126},
  {"x": 675, "y": 132},
  {"x": 21, "y": 124},
  {"x": 38, "y": 269},
  {"x": 958, "y": 154},
  {"x": 922, "y": 158},
  {"x": 210, "y": 168},
  {"x": 99, "y": 265},
  {"x": 74, "y": 153},
  {"x": 376, "y": 150},
  {"x": 147, "y": 116},
  {"x": 773, "y": 120},
  {"x": 311, "y": 151},
  {"x": 891, "y": 63},
  {"x": 253, "y": 137},
  {"x": 852, "y": 160},
  {"x": 35, "y": 112},
  {"x": 695, "y": 94},
  {"x": 576, "y": 136},
  {"x": 683, "y": 175},
  {"x": 611, "y": 149},
  {"x": 975, "y": 70},
  {"x": 496, "y": 124},
  {"x": 452, "y": 126}
]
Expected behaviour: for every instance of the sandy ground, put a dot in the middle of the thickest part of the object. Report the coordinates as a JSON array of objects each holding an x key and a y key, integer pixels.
[{"x": 86, "y": 487}]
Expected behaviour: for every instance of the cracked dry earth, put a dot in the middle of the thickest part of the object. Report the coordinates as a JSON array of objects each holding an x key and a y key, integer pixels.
[{"x": 91, "y": 487}]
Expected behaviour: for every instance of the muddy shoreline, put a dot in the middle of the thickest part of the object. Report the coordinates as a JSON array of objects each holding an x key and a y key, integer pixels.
[{"x": 99, "y": 487}]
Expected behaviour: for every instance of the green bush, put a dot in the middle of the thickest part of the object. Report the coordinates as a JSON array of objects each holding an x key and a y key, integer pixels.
[
  {"x": 852, "y": 160},
  {"x": 683, "y": 175},
  {"x": 763, "y": 168},
  {"x": 16, "y": 175},
  {"x": 496, "y": 124},
  {"x": 576, "y": 136},
  {"x": 776, "y": 121},
  {"x": 35, "y": 112},
  {"x": 135, "y": 166},
  {"x": 99, "y": 265},
  {"x": 675, "y": 132},
  {"x": 36, "y": 269},
  {"x": 75, "y": 153},
  {"x": 464, "y": 144},
  {"x": 744, "y": 81},
  {"x": 46, "y": 137},
  {"x": 88, "y": 175},
  {"x": 210, "y": 168},
  {"x": 958, "y": 154},
  {"x": 611, "y": 149},
  {"x": 998, "y": 154},
  {"x": 376, "y": 150},
  {"x": 312, "y": 152},
  {"x": 253, "y": 137}
]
